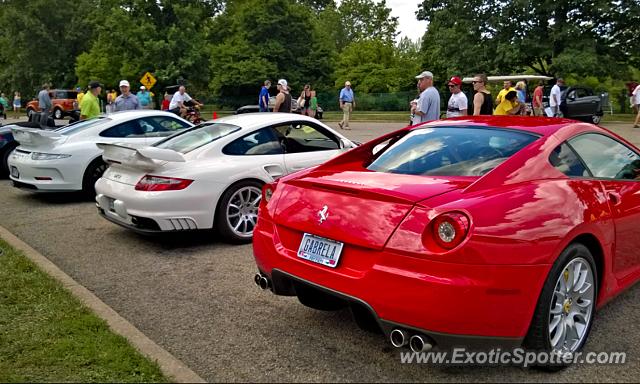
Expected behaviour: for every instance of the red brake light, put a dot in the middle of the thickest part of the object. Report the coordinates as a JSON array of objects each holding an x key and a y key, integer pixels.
[
  {"x": 449, "y": 229},
  {"x": 160, "y": 183}
]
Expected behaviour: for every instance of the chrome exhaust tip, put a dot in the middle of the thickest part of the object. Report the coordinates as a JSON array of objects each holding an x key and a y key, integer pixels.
[
  {"x": 261, "y": 281},
  {"x": 419, "y": 343},
  {"x": 398, "y": 338}
]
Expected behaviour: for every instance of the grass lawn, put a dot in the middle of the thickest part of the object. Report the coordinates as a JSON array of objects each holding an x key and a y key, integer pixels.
[{"x": 48, "y": 335}]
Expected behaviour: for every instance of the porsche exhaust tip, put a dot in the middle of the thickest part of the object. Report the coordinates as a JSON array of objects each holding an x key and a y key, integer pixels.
[
  {"x": 419, "y": 343},
  {"x": 399, "y": 338},
  {"x": 261, "y": 281}
]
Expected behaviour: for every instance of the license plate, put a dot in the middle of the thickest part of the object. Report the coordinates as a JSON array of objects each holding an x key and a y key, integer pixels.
[
  {"x": 320, "y": 250},
  {"x": 14, "y": 172}
]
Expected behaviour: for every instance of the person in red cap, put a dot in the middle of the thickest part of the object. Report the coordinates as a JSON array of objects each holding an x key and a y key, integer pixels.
[{"x": 458, "y": 102}]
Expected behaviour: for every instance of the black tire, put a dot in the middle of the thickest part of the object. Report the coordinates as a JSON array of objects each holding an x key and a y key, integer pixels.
[
  {"x": 93, "y": 172},
  {"x": 537, "y": 338},
  {"x": 221, "y": 223},
  {"x": 29, "y": 113},
  {"x": 316, "y": 299},
  {"x": 57, "y": 114},
  {"x": 4, "y": 159}
]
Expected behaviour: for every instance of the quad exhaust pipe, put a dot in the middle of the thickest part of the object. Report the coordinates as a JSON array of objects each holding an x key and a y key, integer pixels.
[
  {"x": 418, "y": 343},
  {"x": 399, "y": 338},
  {"x": 262, "y": 281}
]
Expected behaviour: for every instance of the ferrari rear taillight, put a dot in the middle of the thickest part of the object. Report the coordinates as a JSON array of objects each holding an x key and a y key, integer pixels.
[
  {"x": 160, "y": 183},
  {"x": 448, "y": 230}
]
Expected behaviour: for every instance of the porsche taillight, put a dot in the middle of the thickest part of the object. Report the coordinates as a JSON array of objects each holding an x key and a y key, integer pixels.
[
  {"x": 153, "y": 183},
  {"x": 448, "y": 230}
]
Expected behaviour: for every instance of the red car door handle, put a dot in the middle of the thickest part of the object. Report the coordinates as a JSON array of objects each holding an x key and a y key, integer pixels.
[{"x": 614, "y": 197}]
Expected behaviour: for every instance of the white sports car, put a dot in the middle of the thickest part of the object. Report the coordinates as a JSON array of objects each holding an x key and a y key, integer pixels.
[
  {"x": 67, "y": 159},
  {"x": 211, "y": 176}
]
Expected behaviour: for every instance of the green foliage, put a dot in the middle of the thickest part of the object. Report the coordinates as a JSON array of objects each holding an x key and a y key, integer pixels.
[
  {"x": 374, "y": 66},
  {"x": 593, "y": 37},
  {"x": 37, "y": 41}
]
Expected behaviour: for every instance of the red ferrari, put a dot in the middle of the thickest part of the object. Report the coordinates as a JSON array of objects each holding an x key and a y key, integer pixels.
[{"x": 472, "y": 231}]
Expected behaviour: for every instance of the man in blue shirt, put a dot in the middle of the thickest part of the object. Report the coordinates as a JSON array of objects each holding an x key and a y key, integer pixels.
[
  {"x": 126, "y": 101},
  {"x": 263, "y": 99},
  {"x": 347, "y": 104},
  {"x": 428, "y": 106}
]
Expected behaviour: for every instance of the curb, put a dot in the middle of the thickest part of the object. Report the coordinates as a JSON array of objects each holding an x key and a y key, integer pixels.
[{"x": 173, "y": 368}]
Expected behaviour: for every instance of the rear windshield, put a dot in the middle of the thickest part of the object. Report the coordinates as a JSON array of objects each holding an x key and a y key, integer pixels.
[
  {"x": 450, "y": 151},
  {"x": 197, "y": 136},
  {"x": 81, "y": 125}
]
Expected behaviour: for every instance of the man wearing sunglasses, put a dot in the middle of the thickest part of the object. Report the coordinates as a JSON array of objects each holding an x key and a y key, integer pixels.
[{"x": 458, "y": 103}]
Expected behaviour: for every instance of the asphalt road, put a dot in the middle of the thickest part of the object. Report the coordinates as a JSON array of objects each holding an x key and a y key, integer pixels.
[{"x": 195, "y": 296}]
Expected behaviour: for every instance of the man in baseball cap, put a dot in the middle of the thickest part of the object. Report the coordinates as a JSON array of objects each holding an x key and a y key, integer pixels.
[
  {"x": 428, "y": 106},
  {"x": 458, "y": 103},
  {"x": 126, "y": 101}
]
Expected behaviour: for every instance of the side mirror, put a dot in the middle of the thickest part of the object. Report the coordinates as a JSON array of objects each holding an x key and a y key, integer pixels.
[{"x": 345, "y": 144}]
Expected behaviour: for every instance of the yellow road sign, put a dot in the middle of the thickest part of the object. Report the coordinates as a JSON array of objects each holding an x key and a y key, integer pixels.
[{"x": 148, "y": 80}]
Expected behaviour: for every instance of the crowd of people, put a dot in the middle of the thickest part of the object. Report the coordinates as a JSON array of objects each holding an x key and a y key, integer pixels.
[
  {"x": 89, "y": 105},
  {"x": 510, "y": 100}
]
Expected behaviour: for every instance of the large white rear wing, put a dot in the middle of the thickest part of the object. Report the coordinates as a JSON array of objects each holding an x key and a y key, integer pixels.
[{"x": 147, "y": 158}]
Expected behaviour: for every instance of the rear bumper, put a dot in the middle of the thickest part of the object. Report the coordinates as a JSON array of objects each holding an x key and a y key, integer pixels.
[
  {"x": 462, "y": 301},
  {"x": 151, "y": 212},
  {"x": 61, "y": 175},
  {"x": 283, "y": 283}
]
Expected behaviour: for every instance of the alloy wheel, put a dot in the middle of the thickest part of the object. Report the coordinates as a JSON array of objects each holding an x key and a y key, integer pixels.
[
  {"x": 242, "y": 211},
  {"x": 572, "y": 306}
]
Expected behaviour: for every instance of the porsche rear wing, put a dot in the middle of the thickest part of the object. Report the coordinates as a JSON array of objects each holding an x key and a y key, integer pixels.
[
  {"x": 146, "y": 158},
  {"x": 35, "y": 137}
]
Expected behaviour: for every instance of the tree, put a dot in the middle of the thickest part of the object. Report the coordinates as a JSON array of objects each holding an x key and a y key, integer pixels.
[
  {"x": 366, "y": 20},
  {"x": 254, "y": 46},
  {"x": 547, "y": 37},
  {"x": 374, "y": 66},
  {"x": 38, "y": 43},
  {"x": 167, "y": 38}
]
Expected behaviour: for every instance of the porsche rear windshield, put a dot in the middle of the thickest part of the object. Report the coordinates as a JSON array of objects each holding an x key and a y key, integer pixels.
[
  {"x": 450, "y": 151},
  {"x": 197, "y": 136},
  {"x": 81, "y": 125}
]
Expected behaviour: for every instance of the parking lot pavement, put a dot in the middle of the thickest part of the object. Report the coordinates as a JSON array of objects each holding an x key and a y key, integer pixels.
[{"x": 195, "y": 296}]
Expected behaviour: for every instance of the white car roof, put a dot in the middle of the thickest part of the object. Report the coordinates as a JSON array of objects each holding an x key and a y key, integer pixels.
[
  {"x": 250, "y": 120},
  {"x": 128, "y": 115}
]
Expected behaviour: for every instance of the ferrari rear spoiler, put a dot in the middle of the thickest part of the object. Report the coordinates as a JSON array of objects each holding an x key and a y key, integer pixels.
[
  {"x": 146, "y": 158},
  {"x": 34, "y": 137}
]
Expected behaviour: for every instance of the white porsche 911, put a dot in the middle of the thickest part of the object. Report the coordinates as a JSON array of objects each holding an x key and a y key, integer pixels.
[
  {"x": 67, "y": 159},
  {"x": 210, "y": 176}
]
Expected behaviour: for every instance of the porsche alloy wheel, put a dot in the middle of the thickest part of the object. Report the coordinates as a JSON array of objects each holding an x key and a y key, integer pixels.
[
  {"x": 237, "y": 215},
  {"x": 572, "y": 306},
  {"x": 596, "y": 119},
  {"x": 57, "y": 114},
  {"x": 564, "y": 312}
]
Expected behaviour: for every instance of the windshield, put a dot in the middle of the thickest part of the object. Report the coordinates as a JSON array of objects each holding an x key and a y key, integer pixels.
[
  {"x": 451, "y": 151},
  {"x": 197, "y": 136},
  {"x": 81, "y": 125}
]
